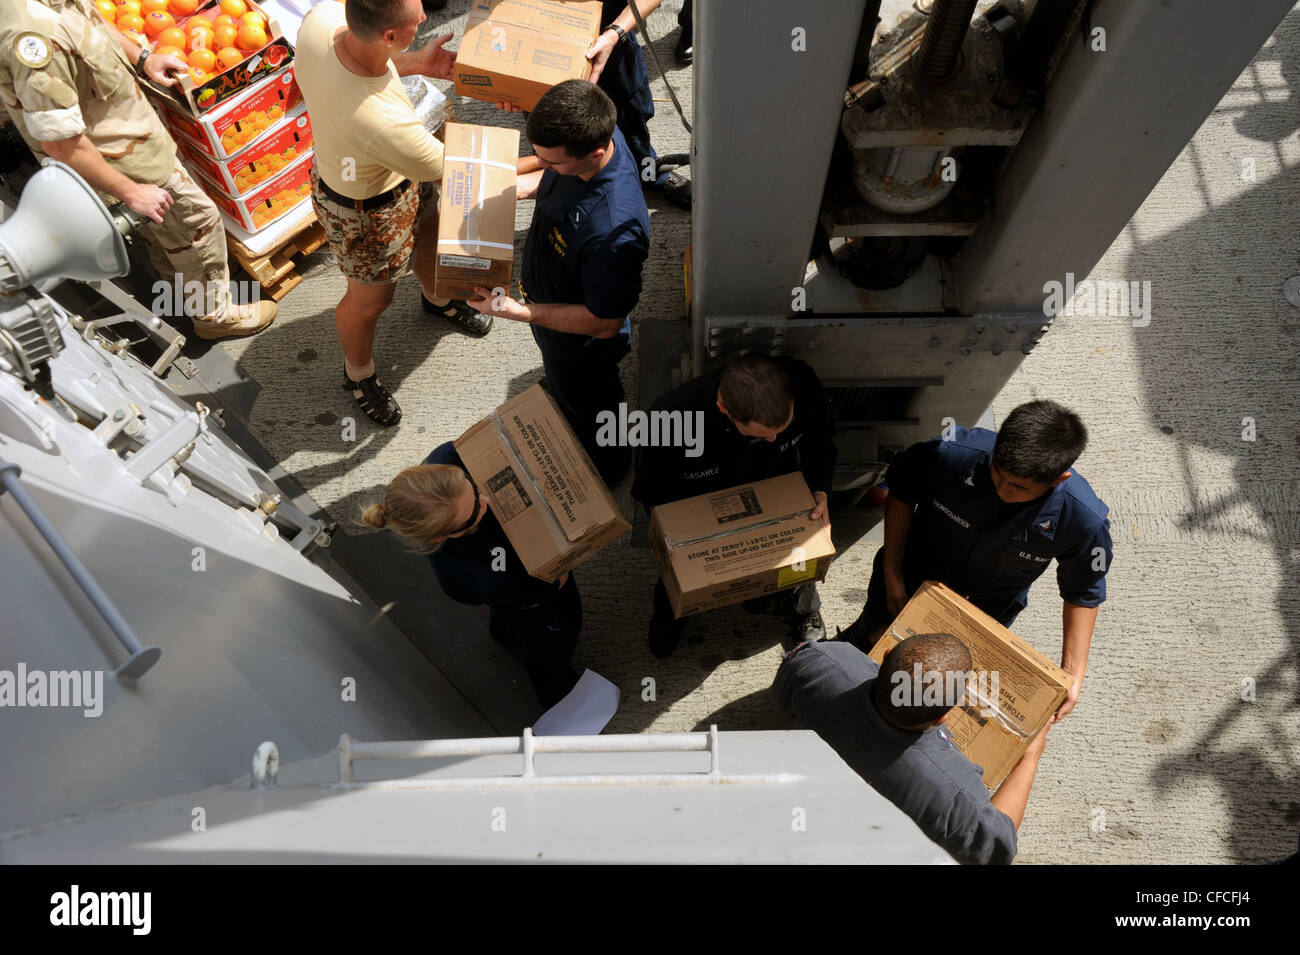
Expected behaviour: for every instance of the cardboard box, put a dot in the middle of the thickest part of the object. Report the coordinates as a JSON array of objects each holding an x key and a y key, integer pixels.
[
  {"x": 515, "y": 50},
  {"x": 542, "y": 487},
  {"x": 1020, "y": 689},
  {"x": 476, "y": 212},
  {"x": 726, "y": 547},
  {"x": 274, "y": 151},
  {"x": 224, "y": 132},
  {"x": 194, "y": 100},
  {"x": 263, "y": 206}
]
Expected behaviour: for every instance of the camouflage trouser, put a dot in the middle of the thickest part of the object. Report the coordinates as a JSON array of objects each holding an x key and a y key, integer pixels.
[
  {"x": 191, "y": 242},
  {"x": 375, "y": 246}
]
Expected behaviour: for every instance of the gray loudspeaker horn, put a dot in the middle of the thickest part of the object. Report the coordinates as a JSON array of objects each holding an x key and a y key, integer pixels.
[{"x": 60, "y": 229}]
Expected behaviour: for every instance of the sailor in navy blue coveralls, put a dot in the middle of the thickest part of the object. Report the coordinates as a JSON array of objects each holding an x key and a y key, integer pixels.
[
  {"x": 965, "y": 536},
  {"x": 586, "y": 246},
  {"x": 626, "y": 81},
  {"x": 541, "y": 618}
]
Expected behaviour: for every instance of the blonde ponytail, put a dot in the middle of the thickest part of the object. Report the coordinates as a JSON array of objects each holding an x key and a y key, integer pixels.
[
  {"x": 374, "y": 516},
  {"x": 420, "y": 505}
]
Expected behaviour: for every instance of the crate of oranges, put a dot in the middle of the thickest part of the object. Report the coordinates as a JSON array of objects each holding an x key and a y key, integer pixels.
[
  {"x": 235, "y": 124},
  {"x": 269, "y": 202},
  {"x": 228, "y": 44},
  {"x": 271, "y": 153}
]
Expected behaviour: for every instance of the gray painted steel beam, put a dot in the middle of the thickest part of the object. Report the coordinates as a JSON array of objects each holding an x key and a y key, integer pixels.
[
  {"x": 1112, "y": 122},
  {"x": 766, "y": 118}
]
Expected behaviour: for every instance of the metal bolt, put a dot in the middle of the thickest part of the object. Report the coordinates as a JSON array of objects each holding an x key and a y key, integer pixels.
[
  {"x": 965, "y": 351},
  {"x": 936, "y": 341},
  {"x": 997, "y": 349},
  {"x": 979, "y": 329},
  {"x": 119, "y": 414},
  {"x": 1012, "y": 329}
]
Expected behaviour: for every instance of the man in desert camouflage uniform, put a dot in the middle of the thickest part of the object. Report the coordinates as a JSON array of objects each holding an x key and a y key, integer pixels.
[{"x": 67, "y": 80}]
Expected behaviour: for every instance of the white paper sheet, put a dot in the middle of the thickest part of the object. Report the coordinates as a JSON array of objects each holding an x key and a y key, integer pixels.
[{"x": 588, "y": 708}]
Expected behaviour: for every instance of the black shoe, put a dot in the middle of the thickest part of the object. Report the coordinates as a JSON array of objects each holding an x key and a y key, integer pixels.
[
  {"x": 677, "y": 190},
  {"x": 376, "y": 401},
  {"x": 811, "y": 628},
  {"x": 458, "y": 312},
  {"x": 685, "y": 50},
  {"x": 665, "y": 633}
]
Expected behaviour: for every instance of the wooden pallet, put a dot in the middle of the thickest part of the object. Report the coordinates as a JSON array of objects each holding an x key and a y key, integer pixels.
[{"x": 275, "y": 270}]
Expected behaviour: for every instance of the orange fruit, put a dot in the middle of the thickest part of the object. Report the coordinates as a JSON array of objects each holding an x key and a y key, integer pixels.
[
  {"x": 200, "y": 40},
  {"x": 128, "y": 6},
  {"x": 251, "y": 36},
  {"x": 148, "y": 6},
  {"x": 157, "y": 21},
  {"x": 253, "y": 19},
  {"x": 230, "y": 57},
  {"x": 182, "y": 8},
  {"x": 170, "y": 50},
  {"x": 106, "y": 10},
  {"x": 199, "y": 75},
  {"x": 234, "y": 8},
  {"x": 172, "y": 36},
  {"x": 204, "y": 60},
  {"x": 130, "y": 23},
  {"x": 224, "y": 20},
  {"x": 224, "y": 36}
]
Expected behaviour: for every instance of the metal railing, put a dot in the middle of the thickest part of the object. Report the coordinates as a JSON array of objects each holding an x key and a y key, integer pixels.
[
  {"x": 142, "y": 657},
  {"x": 529, "y": 746}
]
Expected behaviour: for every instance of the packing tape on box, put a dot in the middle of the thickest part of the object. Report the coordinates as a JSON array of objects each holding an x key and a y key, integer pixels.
[
  {"x": 471, "y": 224},
  {"x": 691, "y": 542},
  {"x": 988, "y": 707},
  {"x": 517, "y": 464},
  {"x": 482, "y": 162}
]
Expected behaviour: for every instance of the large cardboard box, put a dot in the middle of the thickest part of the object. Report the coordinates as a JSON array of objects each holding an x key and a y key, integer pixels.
[
  {"x": 542, "y": 487},
  {"x": 271, "y": 153},
  {"x": 1017, "y": 689},
  {"x": 476, "y": 213},
  {"x": 723, "y": 548},
  {"x": 515, "y": 50},
  {"x": 225, "y": 131}
]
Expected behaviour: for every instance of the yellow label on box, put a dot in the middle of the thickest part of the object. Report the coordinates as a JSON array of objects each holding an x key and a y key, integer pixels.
[{"x": 788, "y": 575}]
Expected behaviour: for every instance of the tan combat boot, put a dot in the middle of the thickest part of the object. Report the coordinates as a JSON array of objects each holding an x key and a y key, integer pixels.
[{"x": 239, "y": 320}]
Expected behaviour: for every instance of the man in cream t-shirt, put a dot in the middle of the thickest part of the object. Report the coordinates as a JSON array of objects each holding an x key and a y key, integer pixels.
[{"x": 374, "y": 171}]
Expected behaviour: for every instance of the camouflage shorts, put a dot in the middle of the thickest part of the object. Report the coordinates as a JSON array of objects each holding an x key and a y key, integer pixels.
[{"x": 374, "y": 246}]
